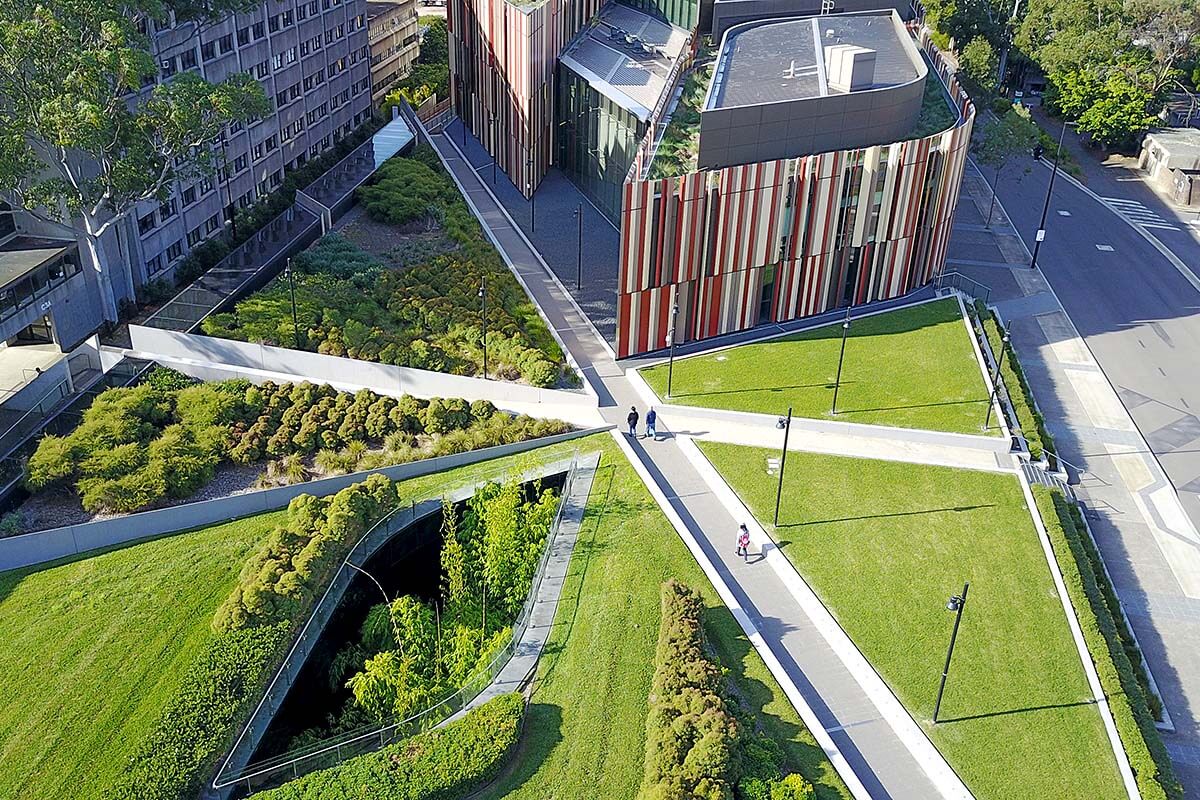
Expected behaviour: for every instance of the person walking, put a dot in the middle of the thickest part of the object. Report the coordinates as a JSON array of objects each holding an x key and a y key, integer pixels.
[
  {"x": 632, "y": 419},
  {"x": 651, "y": 418},
  {"x": 743, "y": 542}
]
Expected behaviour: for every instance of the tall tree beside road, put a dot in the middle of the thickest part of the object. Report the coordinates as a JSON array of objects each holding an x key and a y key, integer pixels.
[
  {"x": 82, "y": 141},
  {"x": 1000, "y": 140}
]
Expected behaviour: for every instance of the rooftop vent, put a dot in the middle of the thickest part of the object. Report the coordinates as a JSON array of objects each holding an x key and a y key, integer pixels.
[{"x": 849, "y": 68}]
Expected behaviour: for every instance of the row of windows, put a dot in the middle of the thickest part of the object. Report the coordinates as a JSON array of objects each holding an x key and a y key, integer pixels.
[{"x": 252, "y": 33}]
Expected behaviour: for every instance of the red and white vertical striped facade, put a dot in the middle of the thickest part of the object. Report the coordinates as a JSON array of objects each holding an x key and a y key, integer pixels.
[{"x": 712, "y": 240}]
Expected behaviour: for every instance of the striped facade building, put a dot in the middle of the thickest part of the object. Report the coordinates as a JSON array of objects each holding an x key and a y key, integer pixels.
[{"x": 735, "y": 246}]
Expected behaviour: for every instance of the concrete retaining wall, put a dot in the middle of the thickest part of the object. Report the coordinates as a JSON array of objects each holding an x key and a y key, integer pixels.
[
  {"x": 48, "y": 545},
  {"x": 211, "y": 358}
]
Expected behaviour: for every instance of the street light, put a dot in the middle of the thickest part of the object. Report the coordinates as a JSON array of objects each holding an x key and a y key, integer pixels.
[
  {"x": 841, "y": 356},
  {"x": 495, "y": 146},
  {"x": 292, "y": 284},
  {"x": 956, "y": 603},
  {"x": 996, "y": 379},
  {"x": 1041, "y": 233},
  {"x": 579, "y": 253},
  {"x": 671, "y": 358},
  {"x": 483, "y": 318},
  {"x": 532, "y": 195},
  {"x": 787, "y": 429}
]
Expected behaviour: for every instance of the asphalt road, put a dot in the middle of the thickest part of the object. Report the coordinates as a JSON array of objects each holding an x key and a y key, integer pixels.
[{"x": 1137, "y": 312}]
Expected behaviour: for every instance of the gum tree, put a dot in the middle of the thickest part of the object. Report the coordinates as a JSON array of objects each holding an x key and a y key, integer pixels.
[
  {"x": 82, "y": 142},
  {"x": 1000, "y": 140}
]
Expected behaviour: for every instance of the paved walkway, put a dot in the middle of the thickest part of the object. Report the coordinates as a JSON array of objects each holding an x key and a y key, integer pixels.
[
  {"x": 852, "y": 712},
  {"x": 1149, "y": 545}
]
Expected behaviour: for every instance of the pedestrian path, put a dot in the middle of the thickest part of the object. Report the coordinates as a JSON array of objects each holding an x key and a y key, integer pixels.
[{"x": 878, "y": 748}]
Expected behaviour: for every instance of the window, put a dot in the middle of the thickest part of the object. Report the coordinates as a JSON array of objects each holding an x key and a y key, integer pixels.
[
  {"x": 320, "y": 76},
  {"x": 175, "y": 251},
  {"x": 262, "y": 69},
  {"x": 245, "y": 200},
  {"x": 328, "y": 34},
  {"x": 167, "y": 210},
  {"x": 261, "y": 189},
  {"x": 212, "y": 223},
  {"x": 258, "y": 151},
  {"x": 205, "y": 186},
  {"x": 194, "y": 237},
  {"x": 154, "y": 265},
  {"x": 189, "y": 195},
  {"x": 208, "y": 51},
  {"x": 243, "y": 36},
  {"x": 281, "y": 100},
  {"x": 146, "y": 223},
  {"x": 289, "y": 18},
  {"x": 169, "y": 68},
  {"x": 277, "y": 61},
  {"x": 303, "y": 49},
  {"x": 271, "y": 142},
  {"x": 276, "y": 178},
  {"x": 226, "y": 43},
  {"x": 290, "y": 55},
  {"x": 260, "y": 30},
  {"x": 273, "y": 24},
  {"x": 312, "y": 8},
  {"x": 187, "y": 59},
  {"x": 239, "y": 163},
  {"x": 293, "y": 92},
  {"x": 301, "y": 11}
]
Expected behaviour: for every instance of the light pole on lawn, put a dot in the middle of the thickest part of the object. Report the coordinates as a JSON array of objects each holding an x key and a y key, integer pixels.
[
  {"x": 1041, "y": 232},
  {"x": 579, "y": 249},
  {"x": 532, "y": 195},
  {"x": 483, "y": 319},
  {"x": 292, "y": 286},
  {"x": 787, "y": 428},
  {"x": 837, "y": 384},
  {"x": 956, "y": 603},
  {"x": 671, "y": 357},
  {"x": 996, "y": 380}
]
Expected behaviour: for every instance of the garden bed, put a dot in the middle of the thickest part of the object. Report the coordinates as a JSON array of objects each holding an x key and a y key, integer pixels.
[
  {"x": 172, "y": 440},
  {"x": 884, "y": 545},
  {"x": 401, "y": 285}
]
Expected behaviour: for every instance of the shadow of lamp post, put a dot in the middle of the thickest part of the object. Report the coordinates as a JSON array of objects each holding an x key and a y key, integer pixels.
[
  {"x": 787, "y": 429},
  {"x": 996, "y": 380}
]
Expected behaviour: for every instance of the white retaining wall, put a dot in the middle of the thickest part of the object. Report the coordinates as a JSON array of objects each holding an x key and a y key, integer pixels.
[
  {"x": 212, "y": 358},
  {"x": 42, "y": 546}
]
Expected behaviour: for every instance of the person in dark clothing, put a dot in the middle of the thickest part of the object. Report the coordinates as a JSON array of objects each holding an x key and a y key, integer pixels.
[
  {"x": 651, "y": 418},
  {"x": 632, "y": 419}
]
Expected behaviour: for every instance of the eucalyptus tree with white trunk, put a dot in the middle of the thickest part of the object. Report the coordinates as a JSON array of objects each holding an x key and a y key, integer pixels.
[{"x": 85, "y": 133}]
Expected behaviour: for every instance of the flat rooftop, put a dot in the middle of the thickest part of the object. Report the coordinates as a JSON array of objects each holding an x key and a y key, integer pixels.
[
  {"x": 773, "y": 61},
  {"x": 627, "y": 56},
  {"x": 21, "y": 255}
]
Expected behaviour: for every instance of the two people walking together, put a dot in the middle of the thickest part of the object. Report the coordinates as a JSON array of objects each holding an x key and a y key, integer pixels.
[{"x": 651, "y": 420}]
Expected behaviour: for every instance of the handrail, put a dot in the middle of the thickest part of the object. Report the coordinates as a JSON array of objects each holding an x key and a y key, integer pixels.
[
  {"x": 954, "y": 279},
  {"x": 371, "y": 737}
]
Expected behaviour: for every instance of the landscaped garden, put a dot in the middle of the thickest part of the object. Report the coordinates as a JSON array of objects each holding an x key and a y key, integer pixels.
[
  {"x": 914, "y": 367},
  {"x": 168, "y": 438},
  {"x": 680, "y": 143},
  {"x": 408, "y": 292},
  {"x": 884, "y": 545}
]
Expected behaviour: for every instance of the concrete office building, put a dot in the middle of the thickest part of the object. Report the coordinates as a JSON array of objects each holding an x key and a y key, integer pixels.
[
  {"x": 393, "y": 34},
  {"x": 813, "y": 184}
]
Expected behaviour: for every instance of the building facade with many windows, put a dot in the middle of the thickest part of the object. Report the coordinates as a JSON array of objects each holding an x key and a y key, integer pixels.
[{"x": 393, "y": 34}]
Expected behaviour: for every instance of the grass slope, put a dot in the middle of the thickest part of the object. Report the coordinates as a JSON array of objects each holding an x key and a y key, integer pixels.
[
  {"x": 93, "y": 647},
  {"x": 585, "y": 733},
  {"x": 914, "y": 368},
  {"x": 884, "y": 544}
]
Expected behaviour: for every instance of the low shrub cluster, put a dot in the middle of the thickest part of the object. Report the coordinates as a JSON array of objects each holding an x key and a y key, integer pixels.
[
  {"x": 442, "y": 764},
  {"x": 698, "y": 746},
  {"x": 197, "y": 726},
  {"x": 1029, "y": 419},
  {"x": 1118, "y": 663},
  {"x": 298, "y": 559},
  {"x": 425, "y": 315},
  {"x": 165, "y": 438},
  {"x": 430, "y": 75}
]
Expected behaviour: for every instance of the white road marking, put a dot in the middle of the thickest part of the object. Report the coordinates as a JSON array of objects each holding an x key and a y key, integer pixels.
[
  {"x": 1137, "y": 213},
  {"x": 1107, "y": 248}
]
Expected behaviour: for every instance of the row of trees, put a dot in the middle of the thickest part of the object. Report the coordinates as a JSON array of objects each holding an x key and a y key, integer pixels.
[{"x": 1109, "y": 64}]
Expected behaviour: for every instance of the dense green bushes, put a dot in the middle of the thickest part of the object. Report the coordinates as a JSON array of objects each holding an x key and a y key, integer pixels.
[
  {"x": 430, "y": 76},
  {"x": 441, "y": 764},
  {"x": 139, "y": 446},
  {"x": 698, "y": 745},
  {"x": 1029, "y": 419},
  {"x": 219, "y": 690},
  {"x": 1110, "y": 645},
  {"x": 426, "y": 315}
]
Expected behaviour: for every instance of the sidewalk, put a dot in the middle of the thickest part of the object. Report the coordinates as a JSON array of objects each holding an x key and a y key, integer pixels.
[
  {"x": 1149, "y": 545},
  {"x": 858, "y": 721}
]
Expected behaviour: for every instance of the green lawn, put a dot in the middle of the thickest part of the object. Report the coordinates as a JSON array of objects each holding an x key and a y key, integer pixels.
[
  {"x": 913, "y": 368},
  {"x": 585, "y": 734},
  {"x": 93, "y": 647},
  {"x": 884, "y": 544}
]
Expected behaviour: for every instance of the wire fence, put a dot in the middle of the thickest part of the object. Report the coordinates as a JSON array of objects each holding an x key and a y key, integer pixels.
[{"x": 336, "y": 749}]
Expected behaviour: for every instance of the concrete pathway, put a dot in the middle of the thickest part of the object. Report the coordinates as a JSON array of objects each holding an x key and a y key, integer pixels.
[
  {"x": 1150, "y": 546},
  {"x": 878, "y": 748}
]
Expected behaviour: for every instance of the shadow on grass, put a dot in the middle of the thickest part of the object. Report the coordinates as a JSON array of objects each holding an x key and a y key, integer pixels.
[
  {"x": 675, "y": 395},
  {"x": 801, "y": 753},
  {"x": 541, "y": 733},
  {"x": 1010, "y": 711},
  {"x": 880, "y": 516},
  {"x": 980, "y": 401}
]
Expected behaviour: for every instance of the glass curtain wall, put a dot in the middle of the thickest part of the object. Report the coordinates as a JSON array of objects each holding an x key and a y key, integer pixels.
[
  {"x": 683, "y": 13},
  {"x": 596, "y": 141}
]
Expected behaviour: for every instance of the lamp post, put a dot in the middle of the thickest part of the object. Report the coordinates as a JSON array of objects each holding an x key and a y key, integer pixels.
[
  {"x": 787, "y": 428},
  {"x": 841, "y": 356},
  {"x": 671, "y": 357},
  {"x": 292, "y": 285},
  {"x": 483, "y": 319},
  {"x": 1041, "y": 232},
  {"x": 956, "y": 603},
  {"x": 532, "y": 195},
  {"x": 579, "y": 250},
  {"x": 495, "y": 147},
  {"x": 996, "y": 380}
]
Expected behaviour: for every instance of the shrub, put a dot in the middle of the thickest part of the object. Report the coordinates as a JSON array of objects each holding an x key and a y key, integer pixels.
[
  {"x": 793, "y": 787},
  {"x": 123, "y": 495},
  {"x": 165, "y": 379},
  {"x": 441, "y": 764},
  {"x": 1127, "y": 699},
  {"x": 53, "y": 462},
  {"x": 12, "y": 524}
]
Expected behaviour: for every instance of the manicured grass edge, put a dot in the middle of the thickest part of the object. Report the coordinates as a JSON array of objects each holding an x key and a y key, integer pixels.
[
  {"x": 1086, "y": 586},
  {"x": 1029, "y": 419}
]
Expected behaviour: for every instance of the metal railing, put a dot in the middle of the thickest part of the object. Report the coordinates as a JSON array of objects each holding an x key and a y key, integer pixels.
[
  {"x": 333, "y": 750},
  {"x": 965, "y": 284}
]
